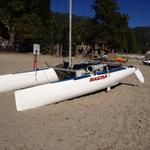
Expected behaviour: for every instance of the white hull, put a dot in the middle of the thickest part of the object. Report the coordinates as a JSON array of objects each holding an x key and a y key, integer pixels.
[
  {"x": 18, "y": 81},
  {"x": 60, "y": 91},
  {"x": 146, "y": 62}
]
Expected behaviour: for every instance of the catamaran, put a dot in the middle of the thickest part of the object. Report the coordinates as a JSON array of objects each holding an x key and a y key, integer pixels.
[
  {"x": 81, "y": 82},
  {"x": 146, "y": 59},
  {"x": 59, "y": 84}
]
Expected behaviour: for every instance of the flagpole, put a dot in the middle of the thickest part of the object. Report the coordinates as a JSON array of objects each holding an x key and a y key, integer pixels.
[{"x": 70, "y": 33}]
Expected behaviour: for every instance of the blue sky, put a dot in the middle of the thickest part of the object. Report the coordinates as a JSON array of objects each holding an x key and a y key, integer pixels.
[{"x": 138, "y": 10}]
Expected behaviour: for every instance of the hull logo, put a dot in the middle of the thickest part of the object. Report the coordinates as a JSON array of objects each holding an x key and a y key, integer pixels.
[{"x": 98, "y": 78}]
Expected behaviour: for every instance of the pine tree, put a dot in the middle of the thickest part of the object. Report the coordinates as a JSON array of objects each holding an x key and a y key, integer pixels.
[
  {"x": 10, "y": 13},
  {"x": 112, "y": 23},
  {"x": 26, "y": 19}
]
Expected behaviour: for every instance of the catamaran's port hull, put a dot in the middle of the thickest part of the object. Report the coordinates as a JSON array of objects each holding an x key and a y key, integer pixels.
[{"x": 18, "y": 81}]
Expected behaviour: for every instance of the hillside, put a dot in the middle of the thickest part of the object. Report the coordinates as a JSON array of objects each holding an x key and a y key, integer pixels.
[{"x": 142, "y": 35}]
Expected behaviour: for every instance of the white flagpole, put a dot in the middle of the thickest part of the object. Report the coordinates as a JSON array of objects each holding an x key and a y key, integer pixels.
[{"x": 70, "y": 34}]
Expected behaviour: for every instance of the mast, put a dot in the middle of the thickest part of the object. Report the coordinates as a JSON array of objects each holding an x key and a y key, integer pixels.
[{"x": 70, "y": 33}]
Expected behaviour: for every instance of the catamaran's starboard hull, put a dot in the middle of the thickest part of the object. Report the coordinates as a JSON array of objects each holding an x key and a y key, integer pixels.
[
  {"x": 18, "y": 81},
  {"x": 63, "y": 90}
]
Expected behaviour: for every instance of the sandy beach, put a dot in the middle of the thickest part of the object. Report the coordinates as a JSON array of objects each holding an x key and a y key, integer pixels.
[{"x": 118, "y": 120}]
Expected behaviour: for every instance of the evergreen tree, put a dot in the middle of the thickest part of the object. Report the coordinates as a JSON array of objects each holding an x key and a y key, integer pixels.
[
  {"x": 131, "y": 42},
  {"x": 10, "y": 12},
  {"x": 113, "y": 25},
  {"x": 26, "y": 20}
]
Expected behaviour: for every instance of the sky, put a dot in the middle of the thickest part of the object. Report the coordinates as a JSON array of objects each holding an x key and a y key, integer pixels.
[{"x": 137, "y": 10}]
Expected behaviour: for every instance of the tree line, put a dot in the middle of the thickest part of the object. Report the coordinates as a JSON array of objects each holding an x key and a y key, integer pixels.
[
  {"x": 142, "y": 35},
  {"x": 24, "y": 22}
]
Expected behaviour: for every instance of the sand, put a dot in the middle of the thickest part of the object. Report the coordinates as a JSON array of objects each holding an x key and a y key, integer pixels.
[{"x": 118, "y": 120}]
